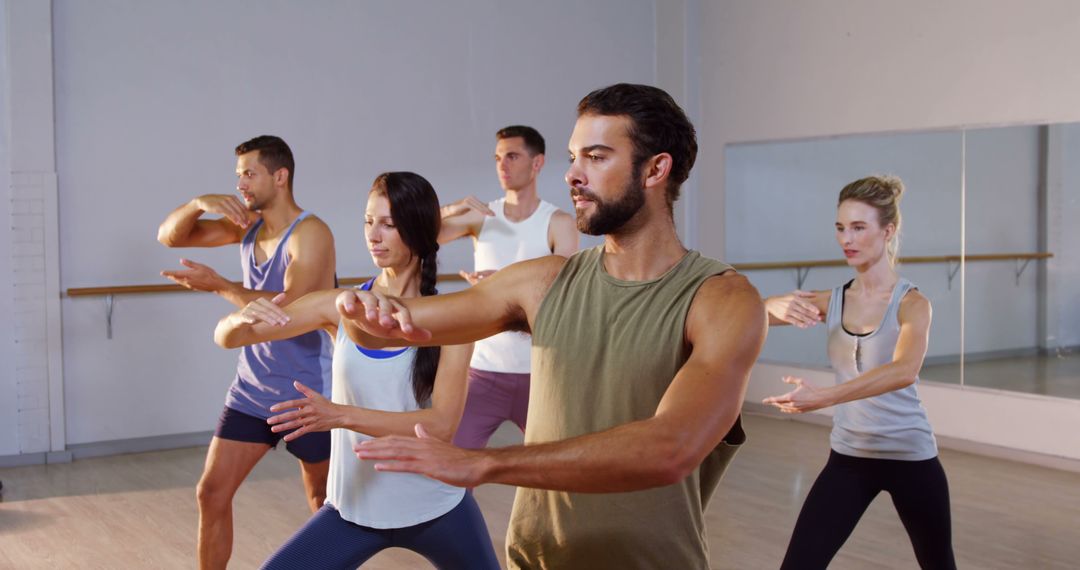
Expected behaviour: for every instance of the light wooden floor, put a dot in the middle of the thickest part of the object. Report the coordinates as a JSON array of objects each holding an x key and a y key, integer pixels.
[
  {"x": 1049, "y": 375},
  {"x": 138, "y": 511}
]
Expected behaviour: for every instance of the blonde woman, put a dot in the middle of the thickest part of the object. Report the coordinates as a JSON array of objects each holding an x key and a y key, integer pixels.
[{"x": 878, "y": 327}]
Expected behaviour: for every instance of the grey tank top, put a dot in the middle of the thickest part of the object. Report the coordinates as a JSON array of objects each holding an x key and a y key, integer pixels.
[{"x": 887, "y": 426}]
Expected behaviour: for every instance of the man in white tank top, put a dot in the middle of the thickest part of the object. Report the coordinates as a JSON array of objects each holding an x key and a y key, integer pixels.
[{"x": 514, "y": 228}]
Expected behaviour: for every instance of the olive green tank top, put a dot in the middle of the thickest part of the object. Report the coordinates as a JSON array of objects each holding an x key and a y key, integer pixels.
[{"x": 604, "y": 352}]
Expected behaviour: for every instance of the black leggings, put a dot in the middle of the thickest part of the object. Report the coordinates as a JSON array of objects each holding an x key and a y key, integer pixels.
[{"x": 844, "y": 490}]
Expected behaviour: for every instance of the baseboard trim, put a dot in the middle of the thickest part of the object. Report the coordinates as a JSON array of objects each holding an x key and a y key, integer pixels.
[
  {"x": 140, "y": 444},
  {"x": 944, "y": 442},
  {"x": 114, "y": 447},
  {"x": 22, "y": 460}
]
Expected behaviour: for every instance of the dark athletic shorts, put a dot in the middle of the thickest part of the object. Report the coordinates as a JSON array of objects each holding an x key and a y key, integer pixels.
[{"x": 237, "y": 426}]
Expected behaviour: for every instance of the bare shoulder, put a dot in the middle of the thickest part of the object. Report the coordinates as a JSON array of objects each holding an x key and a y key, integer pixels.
[
  {"x": 313, "y": 226},
  {"x": 914, "y": 306},
  {"x": 529, "y": 281},
  {"x": 311, "y": 232},
  {"x": 562, "y": 218},
  {"x": 726, "y": 306},
  {"x": 729, "y": 293},
  {"x": 540, "y": 271}
]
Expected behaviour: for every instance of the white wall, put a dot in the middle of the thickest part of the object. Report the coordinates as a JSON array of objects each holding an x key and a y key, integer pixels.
[
  {"x": 151, "y": 98},
  {"x": 777, "y": 70},
  {"x": 9, "y": 443}
]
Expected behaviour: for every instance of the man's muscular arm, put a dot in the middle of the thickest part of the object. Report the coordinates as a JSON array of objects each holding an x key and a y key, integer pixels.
[
  {"x": 311, "y": 268},
  {"x": 184, "y": 228},
  {"x": 698, "y": 409}
]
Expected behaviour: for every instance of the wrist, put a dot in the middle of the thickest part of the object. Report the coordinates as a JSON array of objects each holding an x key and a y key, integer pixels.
[
  {"x": 338, "y": 416},
  {"x": 488, "y": 466},
  {"x": 828, "y": 396},
  {"x": 224, "y": 287}
]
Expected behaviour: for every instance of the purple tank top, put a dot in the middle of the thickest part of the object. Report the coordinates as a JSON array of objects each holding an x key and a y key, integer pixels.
[{"x": 265, "y": 372}]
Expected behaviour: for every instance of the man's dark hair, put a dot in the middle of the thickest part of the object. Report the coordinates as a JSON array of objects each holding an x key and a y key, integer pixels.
[
  {"x": 657, "y": 124},
  {"x": 273, "y": 153},
  {"x": 533, "y": 141}
]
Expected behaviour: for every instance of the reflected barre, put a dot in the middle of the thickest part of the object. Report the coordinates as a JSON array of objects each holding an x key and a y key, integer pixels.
[
  {"x": 802, "y": 268},
  {"x": 111, "y": 291}
]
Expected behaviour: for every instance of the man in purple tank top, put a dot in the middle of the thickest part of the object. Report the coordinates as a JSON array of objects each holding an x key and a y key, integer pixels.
[{"x": 284, "y": 251}]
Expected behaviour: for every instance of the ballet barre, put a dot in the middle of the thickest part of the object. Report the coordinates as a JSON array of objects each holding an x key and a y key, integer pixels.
[
  {"x": 110, "y": 292},
  {"x": 802, "y": 268}
]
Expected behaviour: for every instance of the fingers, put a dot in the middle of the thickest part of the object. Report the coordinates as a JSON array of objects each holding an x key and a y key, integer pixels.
[
  {"x": 293, "y": 405},
  {"x": 476, "y": 276},
  {"x": 380, "y": 315},
  {"x": 236, "y": 211},
  {"x": 181, "y": 277},
  {"x": 793, "y": 380},
  {"x": 305, "y": 390},
  {"x": 298, "y": 433},
  {"x": 421, "y": 432},
  {"x": 231, "y": 208},
  {"x": 778, "y": 401},
  {"x": 479, "y": 206},
  {"x": 278, "y": 299},
  {"x": 292, "y": 425},
  {"x": 190, "y": 263},
  {"x": 263, "y": 310},
  {"x": 389, "y": 447},
  {"x": 804, "y": 312},
  {"x": 346, "y": 303}
]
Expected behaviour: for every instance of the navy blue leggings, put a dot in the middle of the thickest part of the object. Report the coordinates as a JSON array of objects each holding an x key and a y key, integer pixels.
[
  {"x": 844, "y": 490},
  {"x": 458, "y": 539}
]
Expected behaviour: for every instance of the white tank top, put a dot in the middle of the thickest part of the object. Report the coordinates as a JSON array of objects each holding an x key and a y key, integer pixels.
[
  {"x": 378, "y": 380},
  {"x": 500, "y": 243}
]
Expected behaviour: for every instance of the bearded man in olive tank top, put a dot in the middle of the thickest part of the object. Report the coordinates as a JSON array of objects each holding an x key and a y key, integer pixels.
[{"x": 641, "y": 353}]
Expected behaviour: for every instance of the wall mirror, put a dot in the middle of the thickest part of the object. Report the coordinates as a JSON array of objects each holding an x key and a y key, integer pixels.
[{"x": 988, "y": 235}]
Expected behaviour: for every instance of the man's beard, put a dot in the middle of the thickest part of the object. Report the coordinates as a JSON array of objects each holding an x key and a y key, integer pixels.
[{"x": 610, "y": 216}]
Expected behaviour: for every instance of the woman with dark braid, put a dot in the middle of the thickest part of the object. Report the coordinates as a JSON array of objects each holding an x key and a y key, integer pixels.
[
  {"x": 878, "y": 329},
  {"x": 406, "y": 391}
]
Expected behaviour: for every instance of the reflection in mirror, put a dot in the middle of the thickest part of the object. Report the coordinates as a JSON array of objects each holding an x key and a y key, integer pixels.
[
  {"x": 1008, "y": 317},
  {"x": 1020, "y": 314},
  {"x": 780, "y": 204}
]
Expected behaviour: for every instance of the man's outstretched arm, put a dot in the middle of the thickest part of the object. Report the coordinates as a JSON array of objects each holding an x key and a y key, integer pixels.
[
  {"x": 726, "y": 329},
  {"x": 507, "y": 300}
]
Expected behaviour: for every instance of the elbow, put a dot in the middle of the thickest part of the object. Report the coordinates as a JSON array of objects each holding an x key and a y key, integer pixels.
[
  {"x": 673, "y": 464},
  {"x": 224, "y": 338},
  {"x": 665, "y": 473},
  {"x": 441, "y": 429},
  {"x": 905, "y": 376},
  {"x": 165, "y": 239}
]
